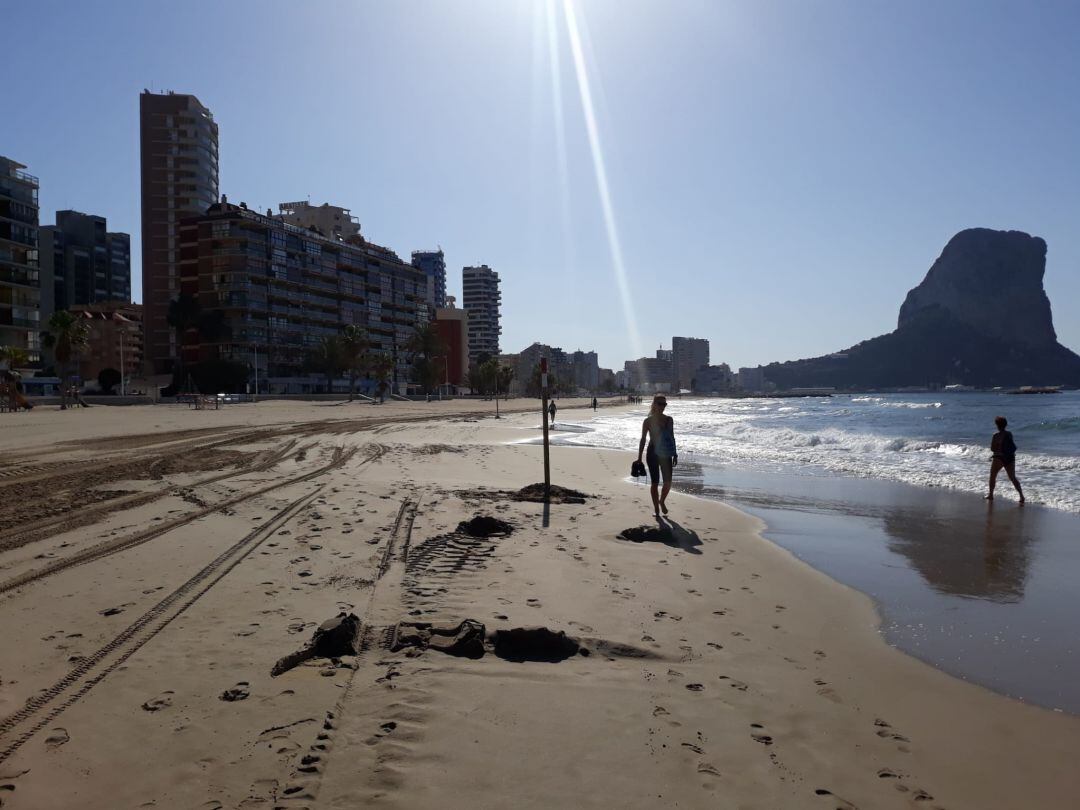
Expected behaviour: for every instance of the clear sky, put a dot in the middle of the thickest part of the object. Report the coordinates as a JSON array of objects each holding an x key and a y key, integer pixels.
[{"x": 778, "y": 174}]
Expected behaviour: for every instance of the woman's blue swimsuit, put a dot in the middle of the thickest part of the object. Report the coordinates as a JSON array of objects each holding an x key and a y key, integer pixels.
[{"x": 666, "y": 450}]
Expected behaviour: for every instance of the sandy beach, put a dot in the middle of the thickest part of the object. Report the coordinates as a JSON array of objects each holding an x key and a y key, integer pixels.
[{"x": 164, "y": 573}]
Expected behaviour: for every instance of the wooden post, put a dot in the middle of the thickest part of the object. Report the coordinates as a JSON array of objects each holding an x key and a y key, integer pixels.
[{"x": 544, "y": 422}]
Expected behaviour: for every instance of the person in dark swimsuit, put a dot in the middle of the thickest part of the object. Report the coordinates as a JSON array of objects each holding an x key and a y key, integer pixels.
[
  {"x": 1003, "y": 449},
  {"x": 662, "y": 455}
]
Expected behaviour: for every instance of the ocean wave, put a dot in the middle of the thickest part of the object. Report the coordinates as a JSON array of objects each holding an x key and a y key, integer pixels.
[
  {"x": 859, "y": 446},
  {"x": 1069, "y": 425}
]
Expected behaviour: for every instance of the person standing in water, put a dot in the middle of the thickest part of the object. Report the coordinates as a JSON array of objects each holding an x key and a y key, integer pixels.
[
  {"x": 551, "y": 412},
  {"x": 661, "y": 456},
  {"x": 1004, "y": 456}
]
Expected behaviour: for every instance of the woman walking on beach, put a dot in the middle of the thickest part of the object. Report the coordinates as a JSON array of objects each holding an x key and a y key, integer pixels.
[
  {"x": 1004, "y": 451},
  {"x": 661, "y": 455}
]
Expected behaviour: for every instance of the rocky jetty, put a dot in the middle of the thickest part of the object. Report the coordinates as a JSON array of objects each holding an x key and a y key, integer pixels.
[{"x": 980, "y": 317}]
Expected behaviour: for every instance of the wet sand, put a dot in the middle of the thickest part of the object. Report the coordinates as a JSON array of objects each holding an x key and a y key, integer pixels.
[
  {"x": 691, "y": 664},
  {"x": 982, "y": 590}
]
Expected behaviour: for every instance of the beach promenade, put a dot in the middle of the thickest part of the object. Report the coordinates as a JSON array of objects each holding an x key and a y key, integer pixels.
[{"x": 158, "y": 564}]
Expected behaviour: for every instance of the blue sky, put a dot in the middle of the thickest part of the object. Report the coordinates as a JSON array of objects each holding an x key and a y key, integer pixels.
[{"x": 780, "y": 173}]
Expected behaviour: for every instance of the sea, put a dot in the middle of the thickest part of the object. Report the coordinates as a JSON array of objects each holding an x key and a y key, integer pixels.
[
  {"x": 928, "y": 440},
  {"x": 883, "y": 492}
]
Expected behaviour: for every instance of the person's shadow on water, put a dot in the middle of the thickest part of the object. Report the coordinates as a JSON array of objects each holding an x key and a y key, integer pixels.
[{"x": 667, "y": 532}]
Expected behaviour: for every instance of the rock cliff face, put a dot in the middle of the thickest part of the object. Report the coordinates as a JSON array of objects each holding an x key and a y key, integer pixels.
[
  {"x": 980, "y": 317},
  {"x": 993, "y": 282}
]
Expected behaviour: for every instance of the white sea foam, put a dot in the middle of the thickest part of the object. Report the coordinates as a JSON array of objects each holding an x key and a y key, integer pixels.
[{"x": 871, "y": 437}]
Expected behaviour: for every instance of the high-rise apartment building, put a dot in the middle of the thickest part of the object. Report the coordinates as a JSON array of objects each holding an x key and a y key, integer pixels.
[
  {"x": 433, "y": 263},
  {"x": 331, "y": 221},
  {"x": 687, "y": 356},
  {"x": 82, "y": 262},
  {"x": 282, "y": 289},
  {"x": 482, "y": 300},
  {"x": 648, "y": 375},
  {"x": 179, "y": 166},
  {"x": 20, "y": 285},
  {"x": 586, "y": 370}
]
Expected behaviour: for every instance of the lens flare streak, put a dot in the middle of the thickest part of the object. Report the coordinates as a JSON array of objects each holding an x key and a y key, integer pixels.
[{"x": 600, "y": 170}]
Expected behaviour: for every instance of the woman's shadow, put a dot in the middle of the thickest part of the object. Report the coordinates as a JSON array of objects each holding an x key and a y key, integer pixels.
[{"x": 668, "y": 532}]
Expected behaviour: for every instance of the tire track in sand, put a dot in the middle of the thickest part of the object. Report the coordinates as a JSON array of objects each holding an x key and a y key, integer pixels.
[
  {"x": 304, "y": 784},
  {"x": 110, "y": 547}
]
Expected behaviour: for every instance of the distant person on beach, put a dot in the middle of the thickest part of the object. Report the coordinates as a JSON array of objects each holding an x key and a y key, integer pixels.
[
  {"x": 1004, "y": 455},
  {"x": 661, "y": 456},
  {"x": 551, "y": 412},
  {"x": 594, "y": 404}
]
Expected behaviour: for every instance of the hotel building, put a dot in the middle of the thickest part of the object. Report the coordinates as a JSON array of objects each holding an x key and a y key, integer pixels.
[
  {"x": 283, "y": 288},
  {"x": 481, "y": 299},
  {"x": 82, "y": 262},
  {"x": 433, "y": 263},
  {"x": 20, "y": 286},
  {"x": 179, "y": 178}
]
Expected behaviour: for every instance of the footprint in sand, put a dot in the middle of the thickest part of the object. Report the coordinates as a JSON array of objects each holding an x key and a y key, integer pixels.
[
  {"x": 56, "y": 738},
  {"x": 742, "y": 687},
  {"x": 162, "y": 701},
  {"x": 885, "y": 731},
  {"x": 708, "y": 768},
  {"x": 843, "y": 803},
  {"x": 533, "y": 602},
  {"x": 759, "y": 735}
]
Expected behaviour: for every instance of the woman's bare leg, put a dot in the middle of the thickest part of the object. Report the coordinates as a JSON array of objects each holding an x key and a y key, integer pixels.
[
  {"x": 653, "y": 490},
  {"x": 1010, "y": 470},
  {"x": 995, "y": 468},
  {"x": 665, "y": 467}
]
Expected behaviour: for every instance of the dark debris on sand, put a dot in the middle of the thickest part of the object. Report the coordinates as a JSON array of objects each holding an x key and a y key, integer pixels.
[
  {"x": 332, "y": 639},
  {"x": 533, "y": 493},
  {"x": 485, "y": 526},
  {"x": 469, "y": 639}
]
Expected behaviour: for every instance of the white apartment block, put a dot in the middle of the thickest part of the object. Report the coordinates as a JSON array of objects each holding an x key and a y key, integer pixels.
[{"x": 482, "y": 300}]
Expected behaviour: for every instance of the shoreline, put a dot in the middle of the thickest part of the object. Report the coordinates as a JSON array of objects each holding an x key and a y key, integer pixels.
[
  {"x": 964, "y": 586},
  {"x": 722, "y": 669}
]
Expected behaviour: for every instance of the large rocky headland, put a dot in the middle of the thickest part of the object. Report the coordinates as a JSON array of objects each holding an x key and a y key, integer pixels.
[{"x": 980, "y": 317}]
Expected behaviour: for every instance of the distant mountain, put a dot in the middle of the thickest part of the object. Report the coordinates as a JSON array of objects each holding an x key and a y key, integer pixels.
[{"x": 980, "y": 317}]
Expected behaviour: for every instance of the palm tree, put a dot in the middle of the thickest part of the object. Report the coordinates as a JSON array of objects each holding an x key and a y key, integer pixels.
[
  {"x": 354, "y": 345},
  {"x": 504, "y": 377},
  {"x": 67, "y": 335},
  {"x": 424, "y": 347},
  {"x": 13, "y": 356},
  {"x": 328, "y": 357},
  {"x": 382, "y": 366}
]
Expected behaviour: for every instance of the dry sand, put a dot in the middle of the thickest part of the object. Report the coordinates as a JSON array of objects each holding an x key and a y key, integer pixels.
[{"x": 150, "y": 580}]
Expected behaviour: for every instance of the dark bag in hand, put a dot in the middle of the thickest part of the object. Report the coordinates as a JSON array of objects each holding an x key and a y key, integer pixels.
[{"x": 637, "y": 470}]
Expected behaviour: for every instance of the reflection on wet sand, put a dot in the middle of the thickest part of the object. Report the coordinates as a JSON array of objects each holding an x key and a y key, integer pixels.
[
  {"x": 957, "y": 553},
  {"x": 984, "y": 591}
]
